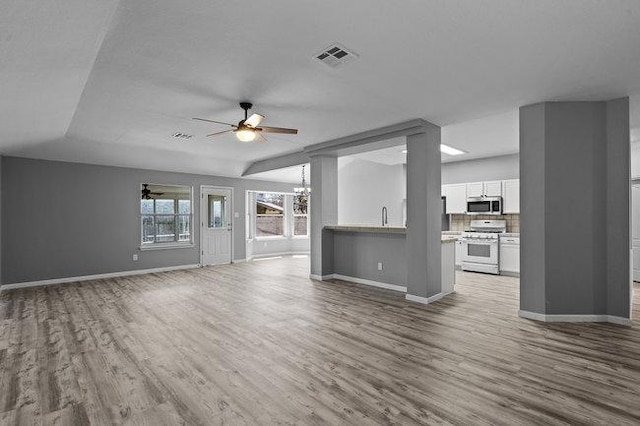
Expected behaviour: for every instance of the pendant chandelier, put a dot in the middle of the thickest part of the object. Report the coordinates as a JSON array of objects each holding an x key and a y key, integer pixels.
[{"x": 303, "y": 190}]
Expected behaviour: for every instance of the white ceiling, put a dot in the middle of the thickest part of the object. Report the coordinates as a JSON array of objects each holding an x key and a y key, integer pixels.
[{"x": 108, "y": 83}]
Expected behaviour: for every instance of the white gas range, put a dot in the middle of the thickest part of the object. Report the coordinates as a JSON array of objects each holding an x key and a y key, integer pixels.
[{"x": 480, "y": 246}]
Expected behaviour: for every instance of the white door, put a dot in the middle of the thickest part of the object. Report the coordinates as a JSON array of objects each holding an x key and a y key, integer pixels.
[
  {"x": 635, "y": 230},
  {"x": 216, "y": 234}
]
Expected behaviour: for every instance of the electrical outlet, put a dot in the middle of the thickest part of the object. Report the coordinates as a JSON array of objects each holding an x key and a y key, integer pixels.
[
  {"x": 236, "y": 214},
  {"x": 379, "y": 266},
  {"x": 135, "y": 257}
]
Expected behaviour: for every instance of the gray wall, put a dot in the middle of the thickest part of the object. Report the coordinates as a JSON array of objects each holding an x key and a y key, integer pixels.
[
  {"x": 618, "y": 209},
  {"x": 1, "y": 225},
  {"x": 575, "y": 208},
  {"x": 424, "y": 211},
  {"x": 323, "y": 211},
  {"x": 532, "y": 208},
  {"x": 64, "y": 219},
  {"x": 483, "y": 169},
  {"x": 364, "y": 187},
  {"x": 356, "y": 254}
]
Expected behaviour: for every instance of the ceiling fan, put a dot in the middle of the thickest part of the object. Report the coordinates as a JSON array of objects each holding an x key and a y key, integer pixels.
[
  {"x": 247, "y": 130},
  {"x": 147, "y": 194}
]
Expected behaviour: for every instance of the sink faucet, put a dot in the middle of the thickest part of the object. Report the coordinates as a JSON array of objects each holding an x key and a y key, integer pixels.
[{"x": 384, "y": 216}]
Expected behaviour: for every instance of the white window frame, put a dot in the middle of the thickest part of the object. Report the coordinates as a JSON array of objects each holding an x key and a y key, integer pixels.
[
  {"x": 170, "y": 244},
  {"x": 288, "y": 217},
  {"x": 294, "y": 215},
  {"x": 285, "y": 224}
]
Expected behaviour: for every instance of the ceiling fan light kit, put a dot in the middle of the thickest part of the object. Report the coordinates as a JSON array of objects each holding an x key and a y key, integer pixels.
[
  {"x": 245, "y": 135},
  {"x": 247, "y": 130}
]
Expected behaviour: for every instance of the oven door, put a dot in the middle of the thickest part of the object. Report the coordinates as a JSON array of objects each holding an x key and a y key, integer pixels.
[{"x": 480, "y": 251}]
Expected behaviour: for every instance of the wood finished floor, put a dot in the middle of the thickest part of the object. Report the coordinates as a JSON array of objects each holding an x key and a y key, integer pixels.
[{"x": 259, "y": 343}]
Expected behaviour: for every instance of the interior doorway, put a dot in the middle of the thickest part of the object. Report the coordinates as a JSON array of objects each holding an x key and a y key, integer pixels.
[{"x": 216, "y": 235}]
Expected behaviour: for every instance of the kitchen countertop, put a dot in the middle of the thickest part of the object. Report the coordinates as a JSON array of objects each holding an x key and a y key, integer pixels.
[{"x": 383, "y": 229}]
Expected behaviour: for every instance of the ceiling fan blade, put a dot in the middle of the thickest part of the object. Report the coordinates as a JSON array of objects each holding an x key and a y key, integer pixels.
[
  {"x": 260, "y": 138},
  {"x": 254, "y": 120},
  {"x": 268, "y": 129},
  {"x": 213, "y": 121},
  {"x": 219, "y": 133}
]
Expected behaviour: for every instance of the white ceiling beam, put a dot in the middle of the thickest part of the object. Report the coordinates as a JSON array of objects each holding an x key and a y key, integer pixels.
[{"x": 371, "y": 140}]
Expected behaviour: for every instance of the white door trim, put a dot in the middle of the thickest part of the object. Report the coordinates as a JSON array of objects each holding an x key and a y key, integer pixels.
[{"x": 203, "y": 215}]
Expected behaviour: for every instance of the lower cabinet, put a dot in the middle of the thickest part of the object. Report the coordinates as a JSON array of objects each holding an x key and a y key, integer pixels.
[
  {"x": 510, "y": 254},
  {"x": 458, "y": 261}
]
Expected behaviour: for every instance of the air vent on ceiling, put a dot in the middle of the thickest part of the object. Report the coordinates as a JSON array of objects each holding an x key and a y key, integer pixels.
[
  {"x": 182, "y": 135},
  {"x": 336, "y": 55}
]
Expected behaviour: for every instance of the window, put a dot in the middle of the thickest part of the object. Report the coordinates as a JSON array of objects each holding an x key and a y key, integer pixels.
[
  {"x": 269, "y": 214},
  {"x": 300, "y": 215},
  {"x": 165, "y": 215},
  {"x": 277, "y": 214}
]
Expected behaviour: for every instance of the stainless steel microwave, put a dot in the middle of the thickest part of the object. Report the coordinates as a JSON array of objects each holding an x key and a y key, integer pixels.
[{"x": 484, "y": 205}]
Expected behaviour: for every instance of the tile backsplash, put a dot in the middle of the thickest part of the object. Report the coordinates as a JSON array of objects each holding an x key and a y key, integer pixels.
[{"x": 461, "y": 222}]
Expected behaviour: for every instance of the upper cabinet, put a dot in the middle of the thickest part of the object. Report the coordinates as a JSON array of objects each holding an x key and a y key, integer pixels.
[
  {"x": 456, "y": 198},
  {"x": 475, "y": 189},
  {"x": 511, "y": 197},
  {"x": 457, "y": 194},
  {"x": 485, "y": 189}
]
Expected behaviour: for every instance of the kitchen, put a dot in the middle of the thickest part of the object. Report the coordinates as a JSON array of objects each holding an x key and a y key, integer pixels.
[
  {"x": 369, "y": 181},
  {"x": 486, "y": 217}
]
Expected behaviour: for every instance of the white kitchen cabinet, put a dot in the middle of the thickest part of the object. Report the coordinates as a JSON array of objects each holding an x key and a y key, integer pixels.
[
  {"x": 458, "y": 261},
  {"x": 485, "y": 189},
  {"x": 456, "y": 198},
  {"x": 510, "y": 254},
  {"x": 511, "y": 196},
  {"x": 493, "y": 188},
  {"x": 475, "y": 189}
]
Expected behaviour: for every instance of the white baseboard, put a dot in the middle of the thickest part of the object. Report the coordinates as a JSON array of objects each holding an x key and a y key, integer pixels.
[
  {"x": 417, "y": 299},
  {"x": 95, "y": 277},
  {"x": 574, "y": 318},
  {"x": 320, "y": 277},
  {"x": 283, "y": 253},
  {"x": 239, "y": 261},
  {"x": 426, "y": 300},
  {"x": 372, "y": 283}
]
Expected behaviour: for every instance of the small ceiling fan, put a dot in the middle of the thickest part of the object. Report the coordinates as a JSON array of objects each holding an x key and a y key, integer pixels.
[
  {"x": 147, "y": 194},
  {"x": 247, "y": 130}
]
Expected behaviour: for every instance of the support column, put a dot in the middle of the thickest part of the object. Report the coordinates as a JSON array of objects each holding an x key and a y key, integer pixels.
[
  {"x": 574, "y": 184},
  {"x": 324, "y": 211},
  {"x": 424, "y": 225}
]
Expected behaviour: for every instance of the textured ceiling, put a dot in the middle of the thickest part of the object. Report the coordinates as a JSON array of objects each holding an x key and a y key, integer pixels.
[{"x": 109, "y": 83}]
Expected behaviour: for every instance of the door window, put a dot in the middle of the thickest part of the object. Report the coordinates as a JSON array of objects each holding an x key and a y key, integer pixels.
[{"x": 217, "y": 206}]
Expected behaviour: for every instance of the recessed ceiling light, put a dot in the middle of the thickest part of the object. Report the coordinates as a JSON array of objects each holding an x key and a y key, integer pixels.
[{"x": 446, "y": 149}]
